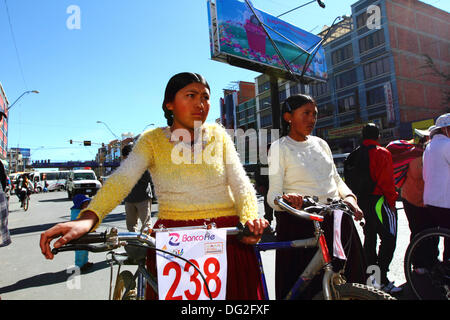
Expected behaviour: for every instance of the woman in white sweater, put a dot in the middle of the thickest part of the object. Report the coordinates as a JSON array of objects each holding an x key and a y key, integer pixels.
[{"x": 302, "y": 165}]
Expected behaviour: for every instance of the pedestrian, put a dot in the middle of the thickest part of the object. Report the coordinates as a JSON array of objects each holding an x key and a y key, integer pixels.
[
  {"x": 80, "y": 202},
  {"x": 5, "y": 238},
  {"x": 138, "y": 202},
  {"x": 24, "y": 188},
  {"x": 198, "y": 178},
  {"x": 436, "y": 176},
  {"x": 408, "y": 166},
  {"x": 301, "y": 164},
  {"x": 379, "y": 208},
  {"x": 45, "y": 183}
]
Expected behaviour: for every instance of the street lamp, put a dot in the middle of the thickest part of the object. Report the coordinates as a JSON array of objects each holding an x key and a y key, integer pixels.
[
  {"x": 115, "y": 136},
  {"x": 321, "y": 4},
  {"x": 26, "y": 92},
  {"x": 149, "y": 125}
]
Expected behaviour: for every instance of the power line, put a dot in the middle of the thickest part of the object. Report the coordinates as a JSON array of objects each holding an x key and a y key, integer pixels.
[{"x": 15, "y": 45}]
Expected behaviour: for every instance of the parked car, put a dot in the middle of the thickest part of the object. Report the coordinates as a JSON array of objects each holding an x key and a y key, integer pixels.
[{"x": 82, "y": 182}]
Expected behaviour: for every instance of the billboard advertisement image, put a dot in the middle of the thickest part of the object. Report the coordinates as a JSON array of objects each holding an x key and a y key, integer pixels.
[{"x": 247, "y": 36}]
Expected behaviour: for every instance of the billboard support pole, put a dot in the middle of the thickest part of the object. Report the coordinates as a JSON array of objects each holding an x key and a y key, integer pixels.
[{"x": 275, "y": 101}]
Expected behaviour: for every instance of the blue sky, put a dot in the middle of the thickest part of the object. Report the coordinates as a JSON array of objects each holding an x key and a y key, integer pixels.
[{"x": 115, "y": 67}]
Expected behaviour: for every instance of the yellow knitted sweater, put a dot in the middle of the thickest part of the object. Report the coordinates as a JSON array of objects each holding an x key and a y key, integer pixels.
[{"x": 199, "y": 182}]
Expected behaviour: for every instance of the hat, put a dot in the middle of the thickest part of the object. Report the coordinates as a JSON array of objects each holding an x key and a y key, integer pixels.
[
  {"x": 443, "y": 121},
  {"x": 430, "y": 129},
  {"x": 78, "y": 201},
  {"x": 424, "y": 132}
]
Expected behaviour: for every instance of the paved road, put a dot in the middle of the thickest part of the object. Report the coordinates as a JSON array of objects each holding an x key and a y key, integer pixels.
[{"x": 26, "y": 274}]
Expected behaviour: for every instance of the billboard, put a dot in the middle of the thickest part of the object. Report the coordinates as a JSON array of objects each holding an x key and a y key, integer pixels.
[{"x": 249, "y": 38}]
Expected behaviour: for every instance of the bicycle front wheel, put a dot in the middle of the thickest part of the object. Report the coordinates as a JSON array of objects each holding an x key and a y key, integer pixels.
[
  {"x": 356, "y": 291},
  {"x": 125, "y": 288},
  {"x": 427, "y": 269}
]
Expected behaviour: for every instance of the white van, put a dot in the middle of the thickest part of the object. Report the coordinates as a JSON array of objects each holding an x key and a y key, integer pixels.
[
  {"x": 56, "y": 180},
  {"x": 82, "y": 182}
]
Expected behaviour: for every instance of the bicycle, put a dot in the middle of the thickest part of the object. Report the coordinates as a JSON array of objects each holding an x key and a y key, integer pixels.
[
  {"x": 132, "y": 286},
  {"x": 334, "y": 285},
  {"x": 431, "y": 281},
  {"x": 129, "y": 286}
]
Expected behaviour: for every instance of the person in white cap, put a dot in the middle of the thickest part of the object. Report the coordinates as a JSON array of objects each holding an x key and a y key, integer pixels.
[{"x": 436, "y": 175}]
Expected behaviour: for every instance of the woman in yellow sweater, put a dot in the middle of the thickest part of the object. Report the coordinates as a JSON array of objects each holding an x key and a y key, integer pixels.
[{"x": 198, "y": 178}]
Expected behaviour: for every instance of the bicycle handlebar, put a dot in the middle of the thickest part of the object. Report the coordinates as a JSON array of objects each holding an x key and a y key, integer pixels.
[
  {"x": 313, "y": 210},
  {"x": 101, "y": 242}
]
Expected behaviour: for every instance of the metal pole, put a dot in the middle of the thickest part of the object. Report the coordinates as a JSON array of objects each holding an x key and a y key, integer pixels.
[{"x": 275, "y": 101}]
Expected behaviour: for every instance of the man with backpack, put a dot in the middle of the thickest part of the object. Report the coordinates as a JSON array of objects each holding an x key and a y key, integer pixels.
[{"x": 368, "y": 172}]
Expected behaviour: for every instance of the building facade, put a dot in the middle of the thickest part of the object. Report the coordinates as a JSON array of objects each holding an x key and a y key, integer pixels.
[
  {"x": 379, "y": 71},
  {"x": 3, "y": 126}
]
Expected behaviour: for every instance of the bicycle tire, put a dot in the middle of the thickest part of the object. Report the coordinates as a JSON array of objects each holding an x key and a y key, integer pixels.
[
  {"x": 356, "y": 291},
  {"x": 419, "y": 282},
  {"x": 125, "y": 287},
  {"x": 26, "y": 203}
]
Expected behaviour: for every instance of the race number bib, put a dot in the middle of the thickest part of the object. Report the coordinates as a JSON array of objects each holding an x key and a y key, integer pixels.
[{"x": 179, "y": 280}]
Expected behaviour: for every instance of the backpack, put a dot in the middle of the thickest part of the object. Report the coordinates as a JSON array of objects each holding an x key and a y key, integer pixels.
[
  {"x": 357, "y": 171},
  {"x": 403, "y": 152}
]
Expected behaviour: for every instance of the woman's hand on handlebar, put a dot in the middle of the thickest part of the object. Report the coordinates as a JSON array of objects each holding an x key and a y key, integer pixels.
[
  {"x": 351, "y": 201},
  {"x": 67, "y": 231},
  {"x": 294, "y": 200},
  {"x": 257, "y": 227}
]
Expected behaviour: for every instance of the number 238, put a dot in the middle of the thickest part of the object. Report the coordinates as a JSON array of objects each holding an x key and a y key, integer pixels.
[{"x": 195, "y": 278}]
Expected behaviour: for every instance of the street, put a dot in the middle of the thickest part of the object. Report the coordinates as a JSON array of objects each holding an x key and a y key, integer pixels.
[{"x": 27, "y": 275}]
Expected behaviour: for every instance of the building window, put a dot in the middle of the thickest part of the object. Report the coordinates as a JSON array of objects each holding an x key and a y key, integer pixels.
[
  {"x": 282, "y": 95},
  {"x": 325, "y": 110},
  {"x": 294, "y": 89},
  {"x": 375, "y": 96},
  {"x": 319, "y": 89},
  {"x": 264, "y": 86},
  {"x": 266, "y": 120},
  {"x": 265, "y": 103},
  {"x": 347, "y": 104},
  {"x": 361, "y": 20},
  {"x": 375, "y": 68},
  {"x": 345, "y": 79},
  {"x": 371, "y": 41},
  {"x": 342, "y": 54}
]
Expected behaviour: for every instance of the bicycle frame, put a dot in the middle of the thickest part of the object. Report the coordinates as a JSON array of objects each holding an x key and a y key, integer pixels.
[{"x": 320, "y": 260}]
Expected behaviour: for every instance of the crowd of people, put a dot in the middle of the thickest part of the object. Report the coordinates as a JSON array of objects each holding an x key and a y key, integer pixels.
[{"x": 192, "y": 192}]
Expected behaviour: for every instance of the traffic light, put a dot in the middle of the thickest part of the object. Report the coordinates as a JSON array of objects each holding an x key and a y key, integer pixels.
[
  {"x": 70, "y": 141},
  {"x": 87, "y": 143},
  {"x": 321, "y": 3}
]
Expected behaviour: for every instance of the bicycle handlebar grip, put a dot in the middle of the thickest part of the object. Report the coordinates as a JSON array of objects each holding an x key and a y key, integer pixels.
[
  {"x": 89, "y": 238},
  {"x": 245, "y": 231},
  {"x": 76, "y": 247}
]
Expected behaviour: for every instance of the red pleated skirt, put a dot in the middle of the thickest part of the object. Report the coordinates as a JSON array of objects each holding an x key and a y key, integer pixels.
[{"x": 243, "y": 275}]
